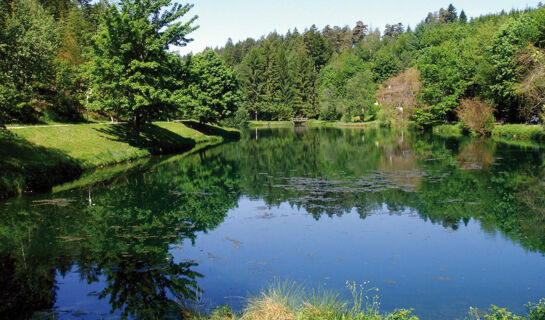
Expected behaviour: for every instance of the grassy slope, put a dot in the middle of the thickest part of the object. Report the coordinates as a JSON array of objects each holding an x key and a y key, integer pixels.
[{"x": 36, "y": 158}]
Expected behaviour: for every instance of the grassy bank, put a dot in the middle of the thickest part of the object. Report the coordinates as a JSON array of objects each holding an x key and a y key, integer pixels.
[
  {"x": 270, "y": 124},
  {"x": 289, "y": 302},
  {"x": 312, "y": 124},
  {"x": 36, "y": 158},
  {"x": 516, "y": 131},
  {"x": 524, "y": 131},
  {"x": 340, "y": 124}
]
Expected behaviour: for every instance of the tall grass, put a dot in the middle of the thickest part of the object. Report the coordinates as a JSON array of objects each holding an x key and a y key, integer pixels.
[{"x": 290, "y": 301}]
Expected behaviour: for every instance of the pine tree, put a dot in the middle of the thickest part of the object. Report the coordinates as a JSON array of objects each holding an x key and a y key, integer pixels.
[
  {"x": 252, "y": 73},
  {"x": 282, "y": 85},
  {"x": 268, "y": 86},
  {"x": 463, "y": 17},
  {"x": 452, "y": 13},
  {"x": 302, "y": 84},
  {"x": 319, "y": 53}
]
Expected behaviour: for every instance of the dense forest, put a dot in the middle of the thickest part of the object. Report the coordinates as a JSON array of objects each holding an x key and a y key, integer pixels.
[
  {"x": 70, "y": 61},
  {"x": 64, "y": 61},
  {"x": 423, "y": 74}
]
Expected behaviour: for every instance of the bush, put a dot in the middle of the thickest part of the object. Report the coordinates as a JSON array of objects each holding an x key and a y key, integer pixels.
[
  {"x": 238, "y": 120},
  {"x": 537, "y": 311},
  {"x": 429, "y": 116},
  {"x": 476, "y": 115}
]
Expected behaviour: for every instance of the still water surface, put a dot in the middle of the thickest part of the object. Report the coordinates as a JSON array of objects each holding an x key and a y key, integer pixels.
[{"x": 437, "y": 224}]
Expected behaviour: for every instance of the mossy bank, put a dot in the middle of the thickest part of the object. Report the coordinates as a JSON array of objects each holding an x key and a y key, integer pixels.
[{"x": 37, "y": 158}]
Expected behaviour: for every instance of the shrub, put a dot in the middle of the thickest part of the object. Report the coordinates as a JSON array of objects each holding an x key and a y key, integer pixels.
[
  {"x": 428, "y": 117},
  {"x": 238, "y": 120},
  {"x": 537, "y": 311},
  {"x": 477, "y": 115}
]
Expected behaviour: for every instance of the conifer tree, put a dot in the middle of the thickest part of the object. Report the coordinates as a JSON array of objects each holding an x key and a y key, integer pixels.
[
  {"x": 452, "y": 13},
  {"x": 463, "y": 17},
  {"x": 302, "y": 84},
  {"x": 252, "y": 73}
]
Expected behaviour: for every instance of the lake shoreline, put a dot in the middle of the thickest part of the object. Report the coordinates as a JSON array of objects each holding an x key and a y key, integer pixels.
[
  {"x": 35, "y": 159},
  {"x": 291, "y": 301},
  {"x": 512, "y": 131},
  {"x": 313, "y": 124}
]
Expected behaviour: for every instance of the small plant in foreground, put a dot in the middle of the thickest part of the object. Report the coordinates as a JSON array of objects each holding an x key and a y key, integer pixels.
[
  {"x": 360, "y": 295},
  {"x": 537, "y": 311},
  {"x": 496, "y": 313},
  {"x": 222, "y": 313}
]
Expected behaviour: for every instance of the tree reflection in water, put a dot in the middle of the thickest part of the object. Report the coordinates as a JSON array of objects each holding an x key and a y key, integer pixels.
[{"x": 120, "y": 232}]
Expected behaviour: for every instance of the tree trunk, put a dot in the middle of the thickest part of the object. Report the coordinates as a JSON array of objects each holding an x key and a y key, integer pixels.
[{"x": 137, "y": 123}]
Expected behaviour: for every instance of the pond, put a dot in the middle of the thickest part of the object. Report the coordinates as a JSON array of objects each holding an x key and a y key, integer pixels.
[{"x": 438, "y": 224}]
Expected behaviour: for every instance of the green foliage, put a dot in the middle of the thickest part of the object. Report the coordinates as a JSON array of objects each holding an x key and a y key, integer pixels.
[
  {"x": 126, "y": 71},
  {"x": 497, "y": 314},
  {"x": 239, "y": 119},
  {"x": 213, "y": 89},
  {"x": 533, "y": 132},
  {"x": 509, "y": 40},
  {"x": 29, "y": 43},
  {"x": 347, "y": 89},
  {"x": 536, "y": 311},
  {"x": 444, "y": 81},
  {"x": 131, "y": 72}
]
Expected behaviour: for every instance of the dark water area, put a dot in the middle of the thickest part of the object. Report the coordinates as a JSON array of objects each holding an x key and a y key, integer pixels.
[{"x": 437, "y": 224}]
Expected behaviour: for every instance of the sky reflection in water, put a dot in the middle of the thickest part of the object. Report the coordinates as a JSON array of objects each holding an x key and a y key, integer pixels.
[{"x": 438, "y": 224}]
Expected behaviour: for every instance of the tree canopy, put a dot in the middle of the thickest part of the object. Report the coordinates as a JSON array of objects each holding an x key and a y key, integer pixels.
[{"x": 131, "y": 70}]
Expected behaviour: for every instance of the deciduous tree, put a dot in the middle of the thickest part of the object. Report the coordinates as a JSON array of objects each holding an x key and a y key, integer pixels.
[
  {"x": 213, "y": 89},
  {"x": 130, "y": 70}
]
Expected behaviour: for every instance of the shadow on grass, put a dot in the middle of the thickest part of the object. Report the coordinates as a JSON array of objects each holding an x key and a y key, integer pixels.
[
  {"x": 152, "y": 138},
  {"x": 27, "y": 167},
  {"x": 210, "y": 130}
]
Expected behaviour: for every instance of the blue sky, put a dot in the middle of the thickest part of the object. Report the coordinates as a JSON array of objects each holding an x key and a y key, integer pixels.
[{"x": 240, "y": 19}]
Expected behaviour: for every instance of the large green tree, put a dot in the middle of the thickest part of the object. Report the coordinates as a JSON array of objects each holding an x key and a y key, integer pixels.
[
  {"x": 251, "y": 73},
  {"x": 29, "y": 40},
  {"x": 213, "y": 89},
  {"x": 131, "y": 70}
]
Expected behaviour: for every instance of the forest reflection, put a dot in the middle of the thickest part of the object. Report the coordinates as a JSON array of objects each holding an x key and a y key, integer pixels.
[{"x": 121, "y": 231}]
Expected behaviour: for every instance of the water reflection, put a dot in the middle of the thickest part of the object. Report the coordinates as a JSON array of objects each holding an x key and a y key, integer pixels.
[{"x": 121, "y": 232}]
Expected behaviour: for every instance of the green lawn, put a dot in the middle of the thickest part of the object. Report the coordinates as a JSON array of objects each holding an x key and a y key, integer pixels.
[{"x": 36, "y": 158}]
